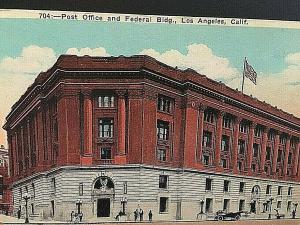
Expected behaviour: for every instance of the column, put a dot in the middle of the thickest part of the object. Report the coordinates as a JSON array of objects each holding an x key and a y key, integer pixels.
[
  {"x": 275, "y": 153},
  {"x": 88, "y": 130},
  {"x": 286, "y": 155},
  {"x": 250, "y": 147},
  {"x": 218, "y": 139},
  {"x": 29, "y": 143},
  {"x": 121, "y": 124},
  {"x": 200, "y": 132},
  {"x": 263, "y": 149},
  {"x": 40, "y": 139},
  {"x": 236, "y": 131},
  {"x": 295, "y": 159},
  {"x": 120, "y": 157}
]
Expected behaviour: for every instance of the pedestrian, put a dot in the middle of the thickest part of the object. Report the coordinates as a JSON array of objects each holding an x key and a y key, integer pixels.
[
  {"x": 141, "y": 215},
  {"x": 19, "y": 212},
  {"x": 150, "y": 216},
  {"x": 72, "y": 215},
  {"x": 136, "y": 212},
  {"x": 294, "y": 214},
  {"x": 80, "y": 216}
]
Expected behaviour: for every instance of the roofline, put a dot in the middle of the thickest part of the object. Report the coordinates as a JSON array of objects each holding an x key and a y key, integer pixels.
[{"x": 56, "y": 67}]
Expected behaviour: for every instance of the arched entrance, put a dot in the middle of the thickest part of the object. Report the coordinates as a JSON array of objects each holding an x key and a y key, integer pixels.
[
  {"x": 103, "y": 194},
  {"x": 255, "y": 199}
]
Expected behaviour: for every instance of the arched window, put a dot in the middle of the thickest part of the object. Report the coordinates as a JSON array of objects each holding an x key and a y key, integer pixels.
[{"x": 104, "y": 183}]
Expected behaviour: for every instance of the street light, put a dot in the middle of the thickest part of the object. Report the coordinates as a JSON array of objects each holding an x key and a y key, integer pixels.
[
  {"x": 26, "y": 198},
  {"x": 78, "y": 203},
  {"x": 271, "y": 199},
  {"x": 123, "y": 202},
  {"x": 201, "y": 205}
]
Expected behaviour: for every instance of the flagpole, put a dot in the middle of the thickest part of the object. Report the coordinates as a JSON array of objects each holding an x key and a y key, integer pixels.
[{"x": 243, "y": 76}]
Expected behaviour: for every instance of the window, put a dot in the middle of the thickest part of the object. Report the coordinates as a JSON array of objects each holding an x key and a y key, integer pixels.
[
  {"x": 257, "y": 131},
  {"x": 208, "y": 184},
  {"x": 80, "y": 189},
  {"x": 290, "y": 191},
  {"x": 224, "y": 163},
  {"x": 243, "y": 127},
  {"x": 21, "y": 194},
  {"x": 164, "y": 104},
  {"x": 106, "y": 101},
  {"x": 163, "y": 204},
  {"x": 290, "y": 158},
  {"x": 163, "y": 181},
  {"x": 253, "y": 167},
  {"x": 279, "y": 157},
  {"x": 208, "y": 116},
  {"x": 255, "y": 150},
  {"x": 26, "y": 189},
  {"x": 282, "y": 140},
  {"x": 227, "y": 122},
  {"x": 1, "y": 185},
  {"x": 268, "y": 153},
  {"x": 33, "y": 190},
  {"x": 105, "y": 153},
  {"x": 208, "y": 205},
  {"x": 106, "y": 127},
  {"x": 271, "y": 136},
  {"x": 125, "y": 187},
  {"x": 226, "y": 185},
  {"x": 289, "y": 206},
  {"x": 225, "y": 143},
  {"x": 242, "y": 187},
  {"x": 293, "y": 143},
  {"x": 240, "y": 166},
  {"x": 226, "y": 205},
  {"x": 269, "y": 189},
  {"x": 207, "y": 139},
  {"x": 267, "y": 170},
  {"x": 32, "y": 208},
  {"x": 161, "y": 155},
  {"x": 242, "y": 205},
  {"x": 279, "y": 190},
  {"x": 53, "y": 183},
  {"x": 206, "y": 160},
  {"x": 241, "y": 146},
  {"x": 162, "y": 130},
  {"x": 279, "y": 203}
]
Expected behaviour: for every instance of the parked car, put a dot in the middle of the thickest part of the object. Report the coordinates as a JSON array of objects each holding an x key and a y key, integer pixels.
[{"x": 220, "y": 215}]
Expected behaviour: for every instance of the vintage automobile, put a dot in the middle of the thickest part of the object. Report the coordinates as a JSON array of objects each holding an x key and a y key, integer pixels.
[{"x": 220, "y": 215}]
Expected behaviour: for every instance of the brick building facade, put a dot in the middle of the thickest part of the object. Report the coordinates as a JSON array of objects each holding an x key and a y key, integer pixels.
[
  {"x": 5, "y": 182},
  {"x": 121, "y": 133}
]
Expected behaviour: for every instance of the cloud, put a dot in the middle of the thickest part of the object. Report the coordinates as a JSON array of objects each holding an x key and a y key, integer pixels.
[
  {"x": 200, "y": 58},
  {"x": 32, "y": 59},
  {"x": 88, "y": 51},
  {"x": 17, "y": 73},
  {"x": 280, "y": 89}
]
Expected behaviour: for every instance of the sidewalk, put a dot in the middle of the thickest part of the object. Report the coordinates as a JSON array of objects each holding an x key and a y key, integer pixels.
[{"x": 14, "y": 220}]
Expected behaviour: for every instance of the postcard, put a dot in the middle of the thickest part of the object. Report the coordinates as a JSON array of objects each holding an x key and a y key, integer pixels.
[{"x": 139, "y": 118}]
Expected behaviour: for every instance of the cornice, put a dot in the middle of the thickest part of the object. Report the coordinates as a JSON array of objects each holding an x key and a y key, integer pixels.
[{"x": 145, "y": 67}]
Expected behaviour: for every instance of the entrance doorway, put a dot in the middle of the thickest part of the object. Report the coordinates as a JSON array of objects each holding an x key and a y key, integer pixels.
[
  {"x": 253, "y": 207},
  {"x": 103, "y": 207}
]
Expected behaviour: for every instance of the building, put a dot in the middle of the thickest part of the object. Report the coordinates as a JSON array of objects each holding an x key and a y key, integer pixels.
[
  {"x": 5, "y": 189},
  {"x": 108, "y": 134}
]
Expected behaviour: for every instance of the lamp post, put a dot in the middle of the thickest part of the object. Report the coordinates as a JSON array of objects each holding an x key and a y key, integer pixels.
[
  {"x": 201, "y": 205},
  {"x": 78, "y": 204},
  {"x": 271, "y": 199},
  {"x": 26, "y": 197},
  {"x": 123, "y": 202}
]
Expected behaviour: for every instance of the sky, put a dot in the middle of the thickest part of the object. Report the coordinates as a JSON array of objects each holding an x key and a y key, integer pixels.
[{"x": 29, "y": 46}]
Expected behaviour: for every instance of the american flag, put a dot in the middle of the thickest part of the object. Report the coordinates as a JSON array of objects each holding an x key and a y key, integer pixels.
[{"x": 249, "y": 72}]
